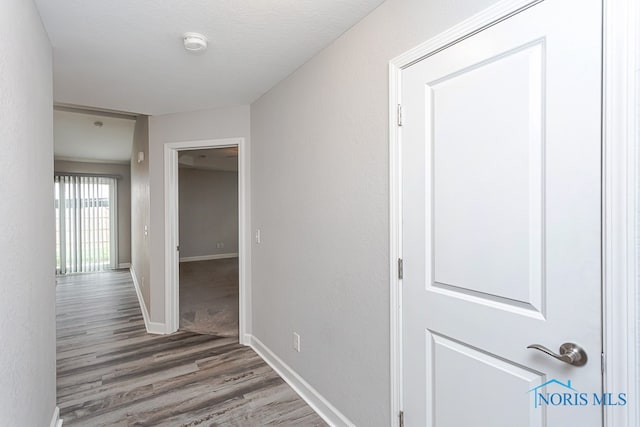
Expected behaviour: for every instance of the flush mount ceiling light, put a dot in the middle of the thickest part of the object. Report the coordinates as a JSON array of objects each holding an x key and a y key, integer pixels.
[{"x": 194, "y": 42}]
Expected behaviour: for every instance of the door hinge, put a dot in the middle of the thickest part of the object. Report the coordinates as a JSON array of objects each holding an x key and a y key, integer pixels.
[
  {"x": 602, "y": 362},
  {"x": 399, "y": 115},
  {"x": 400, "y": 268},
  {"x": 401, "y": 417},
  {"x": 178, "y": 248}
]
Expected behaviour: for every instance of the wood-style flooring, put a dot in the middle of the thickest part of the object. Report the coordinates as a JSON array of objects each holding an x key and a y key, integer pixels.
[{"x": 112, "y": 373}]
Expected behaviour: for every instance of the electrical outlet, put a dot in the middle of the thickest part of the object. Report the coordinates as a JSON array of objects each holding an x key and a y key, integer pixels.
[
  {"x": 296, "y": 342},
  {"x": 221, "y": 245}
]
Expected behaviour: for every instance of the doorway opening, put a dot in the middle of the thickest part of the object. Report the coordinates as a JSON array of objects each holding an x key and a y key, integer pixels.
[
  {"x": 208, "y": 236},
  {"x": 228, "y": 253}
]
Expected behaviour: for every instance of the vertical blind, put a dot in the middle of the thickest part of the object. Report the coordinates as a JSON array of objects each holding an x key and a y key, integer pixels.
[{"x": 86, "y": 223}]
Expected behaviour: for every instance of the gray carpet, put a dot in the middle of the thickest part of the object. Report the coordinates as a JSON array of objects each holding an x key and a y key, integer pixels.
[{"x": 209, "y": 297}]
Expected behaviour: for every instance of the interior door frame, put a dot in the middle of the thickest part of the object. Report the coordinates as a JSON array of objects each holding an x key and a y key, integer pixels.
[
  {"x": 172, "y": 274},
  {"x": 620, "y": 135}
]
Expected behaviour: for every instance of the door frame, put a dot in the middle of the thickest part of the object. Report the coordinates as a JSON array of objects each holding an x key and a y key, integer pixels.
[
  {"x": 171, "y": 212},
  {"x": 620, "y": 214}
]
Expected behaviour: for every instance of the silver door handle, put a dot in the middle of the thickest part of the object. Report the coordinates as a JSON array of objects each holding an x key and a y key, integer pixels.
[{"x": 570, "y": 353}]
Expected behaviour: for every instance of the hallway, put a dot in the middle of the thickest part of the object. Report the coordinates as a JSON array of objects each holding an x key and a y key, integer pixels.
[{"x": 110, "y": 372}]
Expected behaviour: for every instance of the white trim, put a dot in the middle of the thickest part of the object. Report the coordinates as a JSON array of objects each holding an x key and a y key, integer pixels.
[
  {"x": 620, "y": 188},
  {"x": 246, "y": 339},
  {"x": 207, "y": 257},
  {"x": 395, "y": 242},
  {"x": 156, "y": 328},
  {"x": 171, "y": 228},
  {"x": 56, "y": 421},
  {"x": 309, "y": 394},
  {"x": 465, "y": 29},
  {"x": 620, "y": 215},
  {"x": 124, "y": 265}
]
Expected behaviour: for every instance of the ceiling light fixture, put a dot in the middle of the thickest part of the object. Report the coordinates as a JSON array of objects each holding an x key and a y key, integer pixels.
[
  {"x": 194, "y": 42},
  {"x": 98, "y": 124}
]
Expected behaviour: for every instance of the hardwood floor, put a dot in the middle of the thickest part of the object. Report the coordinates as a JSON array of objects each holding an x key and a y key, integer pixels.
[{"x": 112, "y": 373}]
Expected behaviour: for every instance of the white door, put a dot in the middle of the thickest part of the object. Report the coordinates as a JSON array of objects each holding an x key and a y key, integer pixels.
[{"x": 501, "y": 217}]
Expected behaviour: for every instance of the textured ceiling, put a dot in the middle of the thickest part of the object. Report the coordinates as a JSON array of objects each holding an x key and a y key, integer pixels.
[
  {"x": 76, "y": 137},
  {"x": 127, "y": 55}
]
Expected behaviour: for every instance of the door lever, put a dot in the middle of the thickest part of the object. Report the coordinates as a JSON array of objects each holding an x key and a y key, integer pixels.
[{"x": 570, "y": 353}]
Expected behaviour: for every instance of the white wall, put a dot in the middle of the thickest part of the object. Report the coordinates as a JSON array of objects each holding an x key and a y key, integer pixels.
[
  {"x": 321, "y": 199},
  {"x": 208, "y": 212},
  {"x": 124, "y": 197},
  {"x": 192, "y": 126},
  {"x": 27, "y": 233},
  {"x": 140, "y": 264}
]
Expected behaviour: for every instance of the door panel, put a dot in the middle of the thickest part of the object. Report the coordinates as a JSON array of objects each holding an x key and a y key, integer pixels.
[
  {"x": 460, "y": 368},
  {"x": 501, "y": 220},
  {"x": 505, "y": 202}
]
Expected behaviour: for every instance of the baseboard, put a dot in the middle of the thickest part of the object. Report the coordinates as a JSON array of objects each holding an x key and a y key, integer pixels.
[
  {"x": 207, "y": 257},
  {"x": 245, "y": 339},
  {"x": 124, "y": 265},
  {"x": 156, "y": 328},
  {"x": 56, "y": 421},
  {"x": 310, "y": 395}
]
